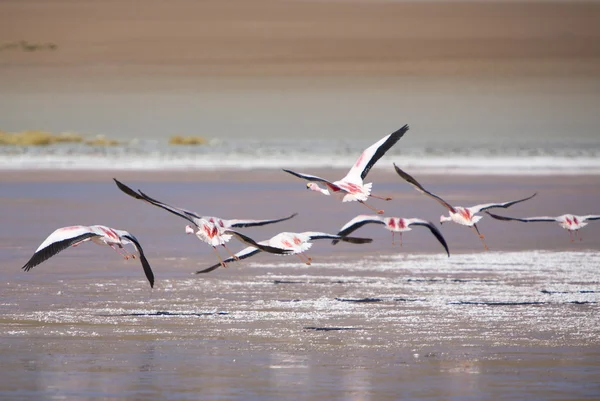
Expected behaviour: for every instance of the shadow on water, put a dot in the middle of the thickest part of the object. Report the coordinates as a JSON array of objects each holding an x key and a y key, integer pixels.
[
  {"x": 331, "y": 328},
  {"x": 165, "y": 313},
  {"x": 534, "y": 303},
  {"x": 374, "y": 300}
]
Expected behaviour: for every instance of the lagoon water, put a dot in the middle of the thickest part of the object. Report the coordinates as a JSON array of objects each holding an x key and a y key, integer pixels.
[
  {"x": 481, "y": 326},
  {"x": 365, "y": 322}
]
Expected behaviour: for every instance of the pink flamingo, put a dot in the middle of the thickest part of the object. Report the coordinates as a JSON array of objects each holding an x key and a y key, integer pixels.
[
  {"x": 351, "y": 187},
  {"x": 465, "y": 216},
  {"x": 211, "y": 230},
  {"x": 66, "y": 237},
  {"x": 291, "y": 243},
  {"x": 393, "y": 224},
  {"x": 570, "y": 222}
]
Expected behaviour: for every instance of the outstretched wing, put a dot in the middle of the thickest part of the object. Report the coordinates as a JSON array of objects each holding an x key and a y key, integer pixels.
[
  {"x": 590, "y": 217},
  {"x": 145, "y": 264},
  {"x": 524, "y": 220},
  {"x": 479, "y": 208},
  {"x": 372, "y": 154},
  {"x": 313, "y": 235},
  {"x": 434, "y": 230},
  {"x": 59, "y": 240},
  {"x": 236, "y": 223},
  {"x": 186, "y": 214},
  {"x": 309, "y": 177},
  {"x": 419, "y": 188},
  {"x": 250, "y": 242},
  {"x": 357, "y": 223},
  {"x": 243, "y": 254}
]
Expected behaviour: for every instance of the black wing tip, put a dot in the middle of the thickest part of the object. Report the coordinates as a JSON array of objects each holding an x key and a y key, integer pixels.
[
  {"x": 356, "y": 240},
  {"x": 401, "y": 172},
  {"x": 208, "y": 270},
  {"x": 401, "y": 131}
]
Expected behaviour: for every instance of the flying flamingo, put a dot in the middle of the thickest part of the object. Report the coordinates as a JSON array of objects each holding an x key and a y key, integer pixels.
[
  {"x": 351, "y": 187},
  {"x": 393, "y": 224},
  {"x": 569, "y": 222},
  {"x": 212, "y": 230},
  {"x": 461, "y": 215},
  {"x": 65, "y": 237},
  {"x": 292, "y": 243}
]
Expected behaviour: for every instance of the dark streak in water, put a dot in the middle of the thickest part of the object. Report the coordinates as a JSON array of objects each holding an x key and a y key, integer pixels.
[
  {"x": 454, "y": 280},
  {"x": 165, "y": 313},
  {"x": 373, "y": 300},
  {"x": 359, "y": 300},
  {"x": 331, "y": 328},
  {"x": 569, "y": 292},
  {"x": 496, "y": 303}
]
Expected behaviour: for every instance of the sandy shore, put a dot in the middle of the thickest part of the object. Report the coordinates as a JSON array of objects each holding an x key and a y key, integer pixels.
[{"x": 118, "y": 45}]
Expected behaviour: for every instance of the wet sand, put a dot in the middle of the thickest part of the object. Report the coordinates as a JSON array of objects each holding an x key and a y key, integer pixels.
[{"x": 363, "y": 322}]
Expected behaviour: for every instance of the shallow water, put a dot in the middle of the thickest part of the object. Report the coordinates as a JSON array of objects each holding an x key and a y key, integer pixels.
[
  {"x": 365, "y": 322},
  {"x": 478, "y": 326}
]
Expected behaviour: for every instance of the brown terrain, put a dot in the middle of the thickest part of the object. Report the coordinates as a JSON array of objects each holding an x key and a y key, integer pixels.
[{"x": 156, "y": 40}]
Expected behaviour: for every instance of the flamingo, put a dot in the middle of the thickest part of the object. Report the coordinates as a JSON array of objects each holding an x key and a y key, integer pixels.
[
  {"x": 570, "y": 222},
  {"x": 212, "y": 230},
  {"x": 351, "y": 187},
  {"x": 292, "y": 243},
  {"x": 65, "y": 237},
  {"x": 465, "y": 216},
  {"x": 393, "y": 224}
]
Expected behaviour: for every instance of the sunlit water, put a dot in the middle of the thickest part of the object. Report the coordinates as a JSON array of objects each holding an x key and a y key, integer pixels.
[{"x": 476, "y": 326}]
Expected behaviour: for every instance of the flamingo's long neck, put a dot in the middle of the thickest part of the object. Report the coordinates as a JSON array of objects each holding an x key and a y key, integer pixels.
[{"x": 317, "y": 188}]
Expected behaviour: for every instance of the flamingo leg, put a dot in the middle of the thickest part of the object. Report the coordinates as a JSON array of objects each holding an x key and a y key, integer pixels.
[
  {"x": 231, "y": 253},
  {"x": 400, "y": 239},
  {"x": 371, "y": 207},
  {"x": 580, "y": 239},
  {"x": 219, "y": 257},
  {"x": 474, "y": 227},
  {"x": 571, "y": 235},
  {"x": 307, "y": 260},
  {"x": 385, "y": 198},
  {"x": 118, "y": 250},
  {"x": 393, "y": 238}
]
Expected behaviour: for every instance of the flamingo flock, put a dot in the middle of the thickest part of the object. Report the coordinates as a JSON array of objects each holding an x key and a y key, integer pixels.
[{"x": 216, "y": 231}]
